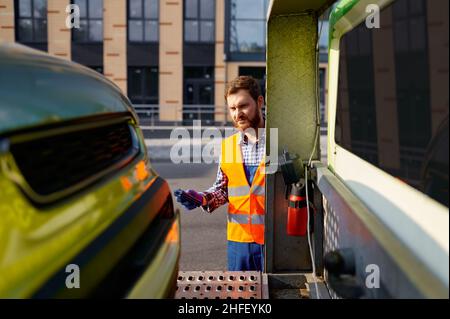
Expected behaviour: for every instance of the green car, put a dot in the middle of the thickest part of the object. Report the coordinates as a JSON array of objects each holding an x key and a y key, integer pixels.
[{"x": 82, "y": 213}]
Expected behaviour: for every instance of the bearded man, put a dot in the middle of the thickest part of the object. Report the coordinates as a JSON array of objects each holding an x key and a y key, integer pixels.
[{"x": 240, "y": 178}]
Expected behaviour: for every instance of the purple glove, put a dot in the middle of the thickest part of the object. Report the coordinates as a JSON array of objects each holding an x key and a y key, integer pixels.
[{"x": 189, "y": 199}]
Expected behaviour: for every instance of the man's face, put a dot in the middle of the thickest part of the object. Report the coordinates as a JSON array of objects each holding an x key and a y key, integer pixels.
[{"x": 244, "y": 110}]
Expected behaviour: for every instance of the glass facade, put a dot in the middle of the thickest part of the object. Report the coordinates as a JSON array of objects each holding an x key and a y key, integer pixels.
[
  {"x": 247, "y": 26},
  {"x": 31, "y": 21},
  {"x": 198, "y": 94},
  {"x": 143, "y": 24},
  {"x": 199, "y": 19},
  {"x": 143, "y": 85},
  {"x": 91, "y": 21}
]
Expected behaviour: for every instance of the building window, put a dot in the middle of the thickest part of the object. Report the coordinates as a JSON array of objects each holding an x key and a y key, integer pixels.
[
  {"x": 31, "y": 21},
  {"x": 91, "y": 21},
  {"x": 143, "y": 85},
  {"x": 198, "y": 94},
  {"x": 199, "y": 21},
  {"x": 143, "y": 21},
  {"x": 247, "y": 26}
]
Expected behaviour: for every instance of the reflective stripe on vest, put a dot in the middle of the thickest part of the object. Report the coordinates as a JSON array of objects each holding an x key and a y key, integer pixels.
[
  {"x": 259, "y": 190},
  {"x": 245, "y": 190},
  {"x": 239, "y": 191},
  {"x": 243, "y": 219}
]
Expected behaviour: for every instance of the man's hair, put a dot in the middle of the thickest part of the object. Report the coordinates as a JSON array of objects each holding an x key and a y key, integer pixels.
[{"x": 244, "y": 82}]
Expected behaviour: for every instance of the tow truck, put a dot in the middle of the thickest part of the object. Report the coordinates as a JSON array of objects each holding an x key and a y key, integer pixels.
[{"x": 373, "y": 233}]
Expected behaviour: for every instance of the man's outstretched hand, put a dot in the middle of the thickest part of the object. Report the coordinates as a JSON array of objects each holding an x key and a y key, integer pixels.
[{"x": 189, "y": 199}]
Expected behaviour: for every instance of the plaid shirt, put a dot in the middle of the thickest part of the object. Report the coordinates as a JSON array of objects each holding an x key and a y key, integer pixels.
[{"x": 252, "y": 154}]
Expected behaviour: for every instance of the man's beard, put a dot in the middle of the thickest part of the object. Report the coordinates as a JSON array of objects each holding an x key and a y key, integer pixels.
[{"x": 254, "y": 122}]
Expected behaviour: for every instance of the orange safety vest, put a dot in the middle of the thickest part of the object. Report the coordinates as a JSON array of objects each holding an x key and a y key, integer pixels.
[{"x": 246, "y": 207}]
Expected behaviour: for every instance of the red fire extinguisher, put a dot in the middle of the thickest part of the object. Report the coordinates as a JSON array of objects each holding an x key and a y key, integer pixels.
[{"x": 297, "y": 218}]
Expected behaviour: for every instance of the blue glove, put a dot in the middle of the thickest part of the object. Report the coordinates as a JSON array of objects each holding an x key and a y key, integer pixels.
[{"x": 189, "y": 199}]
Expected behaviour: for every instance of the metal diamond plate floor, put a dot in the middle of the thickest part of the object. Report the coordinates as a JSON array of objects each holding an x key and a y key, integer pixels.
[{"x": 219, "y": 285}]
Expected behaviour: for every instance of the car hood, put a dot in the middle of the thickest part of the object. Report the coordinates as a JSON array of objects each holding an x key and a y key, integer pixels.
[{"x": 37, "y": 89}]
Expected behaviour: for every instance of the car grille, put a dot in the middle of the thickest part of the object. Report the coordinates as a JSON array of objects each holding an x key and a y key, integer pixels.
[{"x": 60, "y": 162}]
